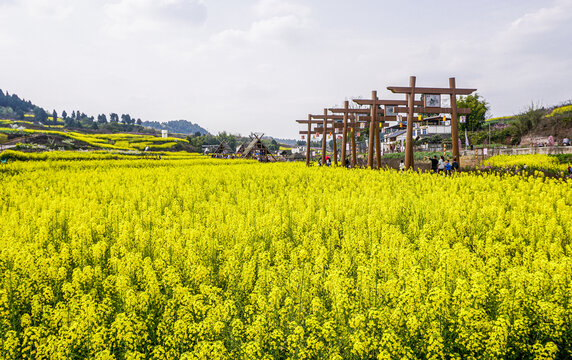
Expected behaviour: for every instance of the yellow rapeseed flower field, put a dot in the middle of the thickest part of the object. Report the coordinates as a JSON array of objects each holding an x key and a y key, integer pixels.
[
  {"x": 198, "y": 258},
  {"x": 121, "y": 141},
  {"x": 560, "y": 110},
  {"x": 535, "y": 161}
]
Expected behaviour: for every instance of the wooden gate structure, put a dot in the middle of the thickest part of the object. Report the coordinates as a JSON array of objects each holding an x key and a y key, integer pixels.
[
  {"x": 333, "y": 128},
  {"x": 380, "y": 117},
  {"x": 430, "y": 108},
  {"x": 349, "y": 114},
  {"x": 325, "y": 130},
  {"x": 309, "y": 133}
]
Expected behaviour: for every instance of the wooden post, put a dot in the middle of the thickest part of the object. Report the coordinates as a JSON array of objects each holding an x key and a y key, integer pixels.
[
  {"x": 334, "y": 143},
  {"x": 377, "y": 143},
  {"x": 349, "y": 114},
  {"x": 324, "y": 133},
  {"x": 454, "y": 123},
  {"x": 308, "y": 151},
  {"x": 371, "y": 142},
  {"x": 345, "y": 135},
  {"x": 409, "y": 138},
  {"x": 354, "y": 155}
]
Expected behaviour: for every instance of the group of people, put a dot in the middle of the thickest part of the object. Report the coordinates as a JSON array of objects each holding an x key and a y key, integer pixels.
[
  {"x": 444, "y": 165},
  {"x": 223, "y": 156},
  {"x": 441, "y": 165},
  {"x": 328, "y": 161}
]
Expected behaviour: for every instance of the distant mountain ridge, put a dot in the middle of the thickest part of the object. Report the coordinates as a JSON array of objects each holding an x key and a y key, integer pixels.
[{"x": 177, "y": 126}]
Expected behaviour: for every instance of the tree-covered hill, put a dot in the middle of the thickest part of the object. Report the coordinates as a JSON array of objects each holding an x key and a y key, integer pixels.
[
  {"x": 11, "y": 106},
  {"x": 177, "y": 126}
]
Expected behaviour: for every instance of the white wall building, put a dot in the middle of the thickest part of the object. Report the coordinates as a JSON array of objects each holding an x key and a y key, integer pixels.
[
  {"x": 394, "y": 135},
  {"x": 299, "y": 150}
]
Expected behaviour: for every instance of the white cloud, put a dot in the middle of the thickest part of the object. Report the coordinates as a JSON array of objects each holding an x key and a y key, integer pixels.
[
  {"x": 543, "y": 20},
  {"x": 128, "y": 17},
  {"x": 278, "y": 21},
  {"x": 272, "y": 8},
  {"x": 45, "y": 9}
]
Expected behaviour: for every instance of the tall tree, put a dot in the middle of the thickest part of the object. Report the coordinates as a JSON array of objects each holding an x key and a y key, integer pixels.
[
  {"x": 139, "y": 122},
  {"x": 68, "y": 121},
  {"x": 479, "y": 108},
  {"x": 102, "y": 119},
  {"x": 64, "y": 115},
  {"x": 40, "y": 115},
  {"x": 113, "y": 117},
  {"x": 125, "y": 118},
  {"x": 54, "y": 117}
]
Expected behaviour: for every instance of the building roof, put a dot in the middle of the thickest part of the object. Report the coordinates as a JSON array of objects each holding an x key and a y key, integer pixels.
[
  {"x": 240, "y": 148},
  {"x": 223, "y": 148},
  {"x": 395, "y": 134},
  {"x": 255, "y": 144}
]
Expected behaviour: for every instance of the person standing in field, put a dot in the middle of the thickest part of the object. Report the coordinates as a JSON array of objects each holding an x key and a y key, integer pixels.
[
  {"x": 455, "y": 165},
  {"x": 401, "y": 166},
  {"x": 434, "y": 163},
  {"x": 441, "y": 164},
  {"x": 447, "y": 167}
]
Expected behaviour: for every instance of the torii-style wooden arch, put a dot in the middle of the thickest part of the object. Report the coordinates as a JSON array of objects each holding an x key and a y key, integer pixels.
[
  {"x": 349, "y": 114},
  {"x": 382, "y": 120},
  {"x": 309, "y": 133},
  {"x": 324, "y": 130},
  {"x": 410, "y": 92},
  {"x": 333, "y": 128}
]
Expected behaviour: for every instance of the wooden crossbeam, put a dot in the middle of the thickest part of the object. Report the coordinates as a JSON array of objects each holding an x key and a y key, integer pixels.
[
  {"x": 309, "y": 121},
  {"x": 349, "y": 111},
  {"x": 337, "y": 131},
  {"x": 328, "y": 117},
  {"x": 330, "y": 126},
  {"x": 384, "y": 102},
  {"x": 304, "y": 132},
  {"x": 431, "y": 110},
  {"x": 361, "y": 117},
  {"x": 316, "y": 131},
  {"x": 390, "y": 118},
  {"x": 427, "y": 90},
  {"x": 367, "y": 118},
  {"x": 357, "y": 125}
]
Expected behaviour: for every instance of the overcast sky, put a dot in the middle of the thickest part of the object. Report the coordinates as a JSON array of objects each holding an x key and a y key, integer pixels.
[{"x": 256, "y": 66}]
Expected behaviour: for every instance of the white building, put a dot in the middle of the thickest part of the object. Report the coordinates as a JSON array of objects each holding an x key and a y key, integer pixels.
[
  {"x": 299, "y": 150},
  {"x": 395, "y": 134}
]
